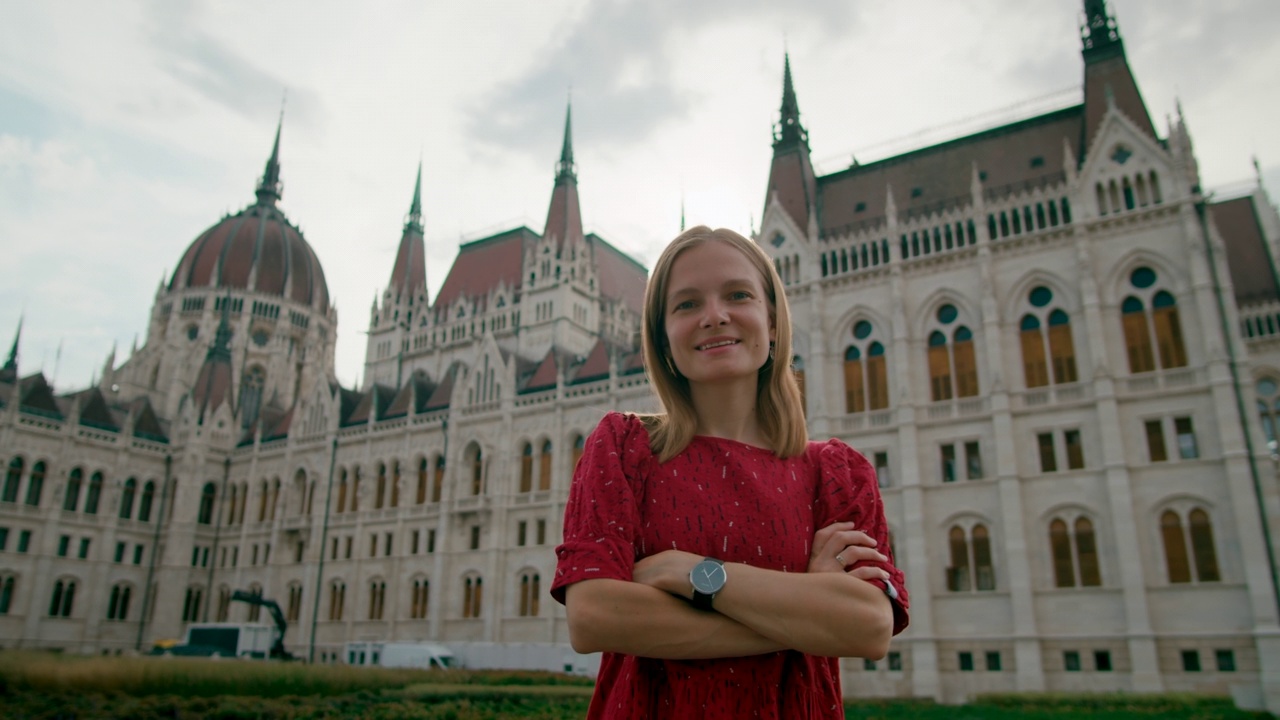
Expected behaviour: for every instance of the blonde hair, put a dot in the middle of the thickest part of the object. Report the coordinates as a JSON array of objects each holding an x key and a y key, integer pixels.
[{"x": 779, "y": 406}]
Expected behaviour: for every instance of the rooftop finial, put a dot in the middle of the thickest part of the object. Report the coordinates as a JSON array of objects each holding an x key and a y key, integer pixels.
[
  {"x": 270, "y": 190},
  {"x": 10, "y": 370},
  {"x": 414, "y": 221},
  {"x": 1100, "y": 30},
  {"x": 565, "y": 168},
  {"x": 789, "y": 130}
]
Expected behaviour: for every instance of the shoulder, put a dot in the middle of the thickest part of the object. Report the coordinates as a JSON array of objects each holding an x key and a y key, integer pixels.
[
  {"x": 833, "y": 455},
  {"x": 621, "y": 431}
]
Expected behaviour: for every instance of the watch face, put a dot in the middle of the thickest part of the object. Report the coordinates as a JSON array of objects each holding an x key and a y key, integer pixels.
[{"x": 707, "y": 577}]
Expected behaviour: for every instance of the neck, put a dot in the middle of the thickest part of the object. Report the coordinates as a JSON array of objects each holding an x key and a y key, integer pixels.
[{"x": 728, "y": 411}]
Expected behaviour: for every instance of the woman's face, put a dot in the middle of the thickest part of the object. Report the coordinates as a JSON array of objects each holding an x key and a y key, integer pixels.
[{"x": 718, "y": 320}]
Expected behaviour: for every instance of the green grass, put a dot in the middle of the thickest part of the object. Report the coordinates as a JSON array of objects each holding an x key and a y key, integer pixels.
[{"x": 63, "y": 687}]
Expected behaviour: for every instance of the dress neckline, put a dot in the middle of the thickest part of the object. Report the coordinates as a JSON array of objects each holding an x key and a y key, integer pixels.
[{"x": 731, "y": 441}]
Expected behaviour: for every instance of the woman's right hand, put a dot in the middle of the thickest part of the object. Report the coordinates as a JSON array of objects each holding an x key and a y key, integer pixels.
[{"x": 838, "y": 547}]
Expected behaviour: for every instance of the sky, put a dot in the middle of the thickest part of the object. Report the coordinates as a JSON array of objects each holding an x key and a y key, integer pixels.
[{"x": 128, "y": 128}]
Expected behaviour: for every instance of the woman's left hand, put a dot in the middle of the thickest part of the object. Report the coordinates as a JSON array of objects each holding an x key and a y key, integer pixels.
[{"x": 838, "y": 546}]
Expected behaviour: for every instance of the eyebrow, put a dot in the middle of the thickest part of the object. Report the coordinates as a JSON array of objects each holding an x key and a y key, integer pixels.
[{"x": 728, "y": 284}]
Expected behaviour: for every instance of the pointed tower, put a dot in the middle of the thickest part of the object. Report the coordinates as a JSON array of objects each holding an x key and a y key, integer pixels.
[
  {"x": 1107, "y": 78},
  {"x": 404, "y": 302},
  {"x": 270, "y": 189},
  {"x": 409, "y": 274},
  {"x": 791, "y": 178},
  {"x": 564, "y": 217},
  {"x": 9, "y": 373},
  {"x": 213, "y": 385}
]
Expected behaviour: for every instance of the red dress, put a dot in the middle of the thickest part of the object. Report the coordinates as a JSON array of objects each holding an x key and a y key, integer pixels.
[{"x": 727, "y": 500}]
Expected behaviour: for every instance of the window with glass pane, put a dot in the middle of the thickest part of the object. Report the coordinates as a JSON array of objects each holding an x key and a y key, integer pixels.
[
  {"x": 948, "y": 463},
  {"x": 973, "y": 459},
  {"x": 1048, "y": 458},
  {"x": 1155, "y": 441},
  {"x": 1075, "y": 449},
  {"x": 1187, "y": 449}
]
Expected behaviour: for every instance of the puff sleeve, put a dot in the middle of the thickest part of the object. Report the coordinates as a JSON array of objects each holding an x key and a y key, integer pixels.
[
  {"x": 848, "y": 492},
  {"x": 601, "y": 518}
]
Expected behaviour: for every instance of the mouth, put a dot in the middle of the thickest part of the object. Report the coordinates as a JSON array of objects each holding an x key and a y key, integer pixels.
[{"x": 717, "y": 344}]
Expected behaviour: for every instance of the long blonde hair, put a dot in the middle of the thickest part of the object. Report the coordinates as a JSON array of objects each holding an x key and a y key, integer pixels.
[{"x": 779, "y": 406}]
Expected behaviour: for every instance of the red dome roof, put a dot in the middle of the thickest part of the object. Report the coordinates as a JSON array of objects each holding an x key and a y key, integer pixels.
[{"x": 257, "y": 249}]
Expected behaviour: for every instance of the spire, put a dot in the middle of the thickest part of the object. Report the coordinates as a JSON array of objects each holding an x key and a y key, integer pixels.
[
  {"x": 220, "y": 350},
  {"x": 269, "y": 189},
  {"x": 414, "y": 220},
  {"x": 789, "y": 131},
  {"x": 213, "y": 383},
  {"x": 1109, "y": 84},
  {"x": 565, "y": 168},
  {"x": 682, "y": 212},
  {"x": 10, "y": 370},
  {"x": 564, "y": 216},
  {"x": 409, "y": 274}
]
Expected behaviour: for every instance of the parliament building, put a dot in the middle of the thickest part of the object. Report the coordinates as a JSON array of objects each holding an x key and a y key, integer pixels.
[{"x": 1061, "y": 354}]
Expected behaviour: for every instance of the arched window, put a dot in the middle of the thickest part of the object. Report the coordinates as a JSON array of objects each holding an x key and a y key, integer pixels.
[
  {"x": 63, "y": 600},
  {"x": 951, "y": 355},
  {"x": 223, "y": 613},
  {"x": 191, "y": 604},
  {"x": 395, "y": 483},
  {"x": 126, "y": 498},
  {"x": 476, "y": 463},
  {"x": 579, "y": 446},
  {"x": 11, "y": 480},
  {"x": 472, "y": 594},
  {"x": 337, "y": 598},
  {"x": 1175, "y": 547},
  {"x": 263, "y": 497},
  {"x": 1202, "y": 548},
  {"x": 544, "y": 466},
  {"x": 118, "y": 603},
  {"x": 526, "y": 468},
  {"x": 437, "y": 481},
  {"x": 1074, "y": 547},
  {"x": 251, "y": 386},
  {"x": 7, "y": 585},
  {"x": 381, "y": 488},
  {"x": 971, "y": 566},
  {"x": 293, "y": 610},
  {"x": 422, "y": 481},
  {"x": 377, "y": 598},
  {"x": 866, "y": 385},
  {"x": 144, "y": 505},
  {"x": 207, "y": 495},
  {"x": 420, "y": 599},
  {"x": 231, "y": 504},
  {"x": 255, "y": 611},
  {"x": 342, "y": 491},
  {"x": 72, "y": 497},
  {"x": 530, "y": 583},
  {"x": 244, "y": 499},
  {"x": 1159, "y": 329},
  {"x": 355, "y": 488},
  {"x": 35, "y": 484},
  {"x": 1041, "y": 351}
]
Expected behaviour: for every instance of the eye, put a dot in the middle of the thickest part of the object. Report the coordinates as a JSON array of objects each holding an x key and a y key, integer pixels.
[
  {"x": 684, "y": 305},
  {"x": 740, "y": 295}
]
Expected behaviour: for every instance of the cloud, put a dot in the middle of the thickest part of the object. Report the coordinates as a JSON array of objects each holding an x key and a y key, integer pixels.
[{"x": 620, "y": 58}]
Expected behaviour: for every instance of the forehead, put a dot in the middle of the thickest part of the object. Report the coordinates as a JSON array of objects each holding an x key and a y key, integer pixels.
[{"x": 711, "y": 264}]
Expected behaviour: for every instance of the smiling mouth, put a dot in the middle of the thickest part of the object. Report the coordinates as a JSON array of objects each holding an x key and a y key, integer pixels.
[{"x": 722, "y": 343}]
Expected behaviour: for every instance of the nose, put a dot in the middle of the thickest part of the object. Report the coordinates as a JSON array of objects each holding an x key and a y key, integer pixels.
[{"x": 715, "y": 314}]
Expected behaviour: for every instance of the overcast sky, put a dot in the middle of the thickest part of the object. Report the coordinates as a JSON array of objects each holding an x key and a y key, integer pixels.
[{"x": 128, "y": 128}]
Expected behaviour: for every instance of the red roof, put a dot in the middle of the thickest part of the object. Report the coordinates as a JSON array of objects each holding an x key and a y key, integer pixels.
[
  {"x": 409, "y": 275},
  {"x": 791, "y": 176},
  {"x": 596, "y": 365},
  {"x": 1112, "y": 75},
  {"x": 545, "y": 376},
  {"x": 483, "y": 264},
  {"x": 1249, "y": 260},
  {"x": 564, "y": 216},
  {"x": 621, "y": 276}
]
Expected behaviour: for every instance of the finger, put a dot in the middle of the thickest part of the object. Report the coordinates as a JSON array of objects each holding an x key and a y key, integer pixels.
[
  {"x": 856, "y": 537},
  {"x": 869, "y": 573},
  {"x": 856, "y": 553}
]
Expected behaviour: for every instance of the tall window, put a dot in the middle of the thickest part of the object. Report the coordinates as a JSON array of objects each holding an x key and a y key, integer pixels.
[
  {"x": 544, "y": 466},
  {"x": 72, "y": 497},
  {"x": 126, "y": 498},
  {"x": 472, "y": 595},
  {"x": 1074, "y": 548},
  {"x": 118, "y": 604},
  {"x": 207, "y": 495},
  {"x": 94, "y": 496},
  {"x": 953, "y": 367},
  {"x": 342, "y": 491},
  {"x": 223, "y": 611},
  {"x": 1268, "y": 390},
  {"x": 395, "y": 483},
  {"x": 251, "y": 394},
  {"x": 437, "y": 480},
  {"x": 381, "y": 488},
  {"x": 35, "y": 484},
  {"x": 1182, "y": 548},
  {"x": 144, "y": 504},
  {"x": 866, "y": 385},
  {"x": 971, "y": 566},
  {"x": 191, "y": 604},
  {"x": 293, "y": 610},
  {"x": 422, "y": 481},
  {"x": 63, "y": 600},
  {"x": 418, "y": 605},
  {"x": 1044, "y": 351},
  {"x": 1073, "y": 446},
  {"x": 355, "y": 488},
  {"x": 11, "y": 480},
  {"x": 526, "y": 468},
  {"x": 337, "y": 598},
  {"x": 476, "y": 461},
  {"x": 1151, "y": 326},
  {"x": 377, "y": 599},
  {"x": 529, "y": 593},
  {"x": 7, "y": 585}
]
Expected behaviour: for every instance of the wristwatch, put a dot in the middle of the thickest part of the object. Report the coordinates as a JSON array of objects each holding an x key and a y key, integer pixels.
[{"x": 708, "y": 578}]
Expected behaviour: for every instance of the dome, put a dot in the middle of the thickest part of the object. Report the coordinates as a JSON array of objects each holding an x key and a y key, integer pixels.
[{"x": 257, "y": 249}]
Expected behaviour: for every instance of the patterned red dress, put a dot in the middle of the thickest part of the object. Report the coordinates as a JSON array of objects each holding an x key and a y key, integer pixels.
[{"x": 728, "y": 500}]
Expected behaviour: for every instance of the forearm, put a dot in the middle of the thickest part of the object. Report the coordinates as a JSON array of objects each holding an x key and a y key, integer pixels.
[
  {"x": 827, "y": 614},
  {"x": 634, "y": 619}
]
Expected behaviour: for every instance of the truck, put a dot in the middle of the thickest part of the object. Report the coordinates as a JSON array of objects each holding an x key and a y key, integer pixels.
[
  {"x": 399, "y": 654},
  {"x": 235, "y": 640}
]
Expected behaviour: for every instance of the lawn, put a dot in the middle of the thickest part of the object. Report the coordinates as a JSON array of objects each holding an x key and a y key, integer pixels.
[{"x": 44, "y": 685}]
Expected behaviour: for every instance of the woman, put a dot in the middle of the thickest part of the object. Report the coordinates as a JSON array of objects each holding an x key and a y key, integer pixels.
[{"x": 719, "y": 560}]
